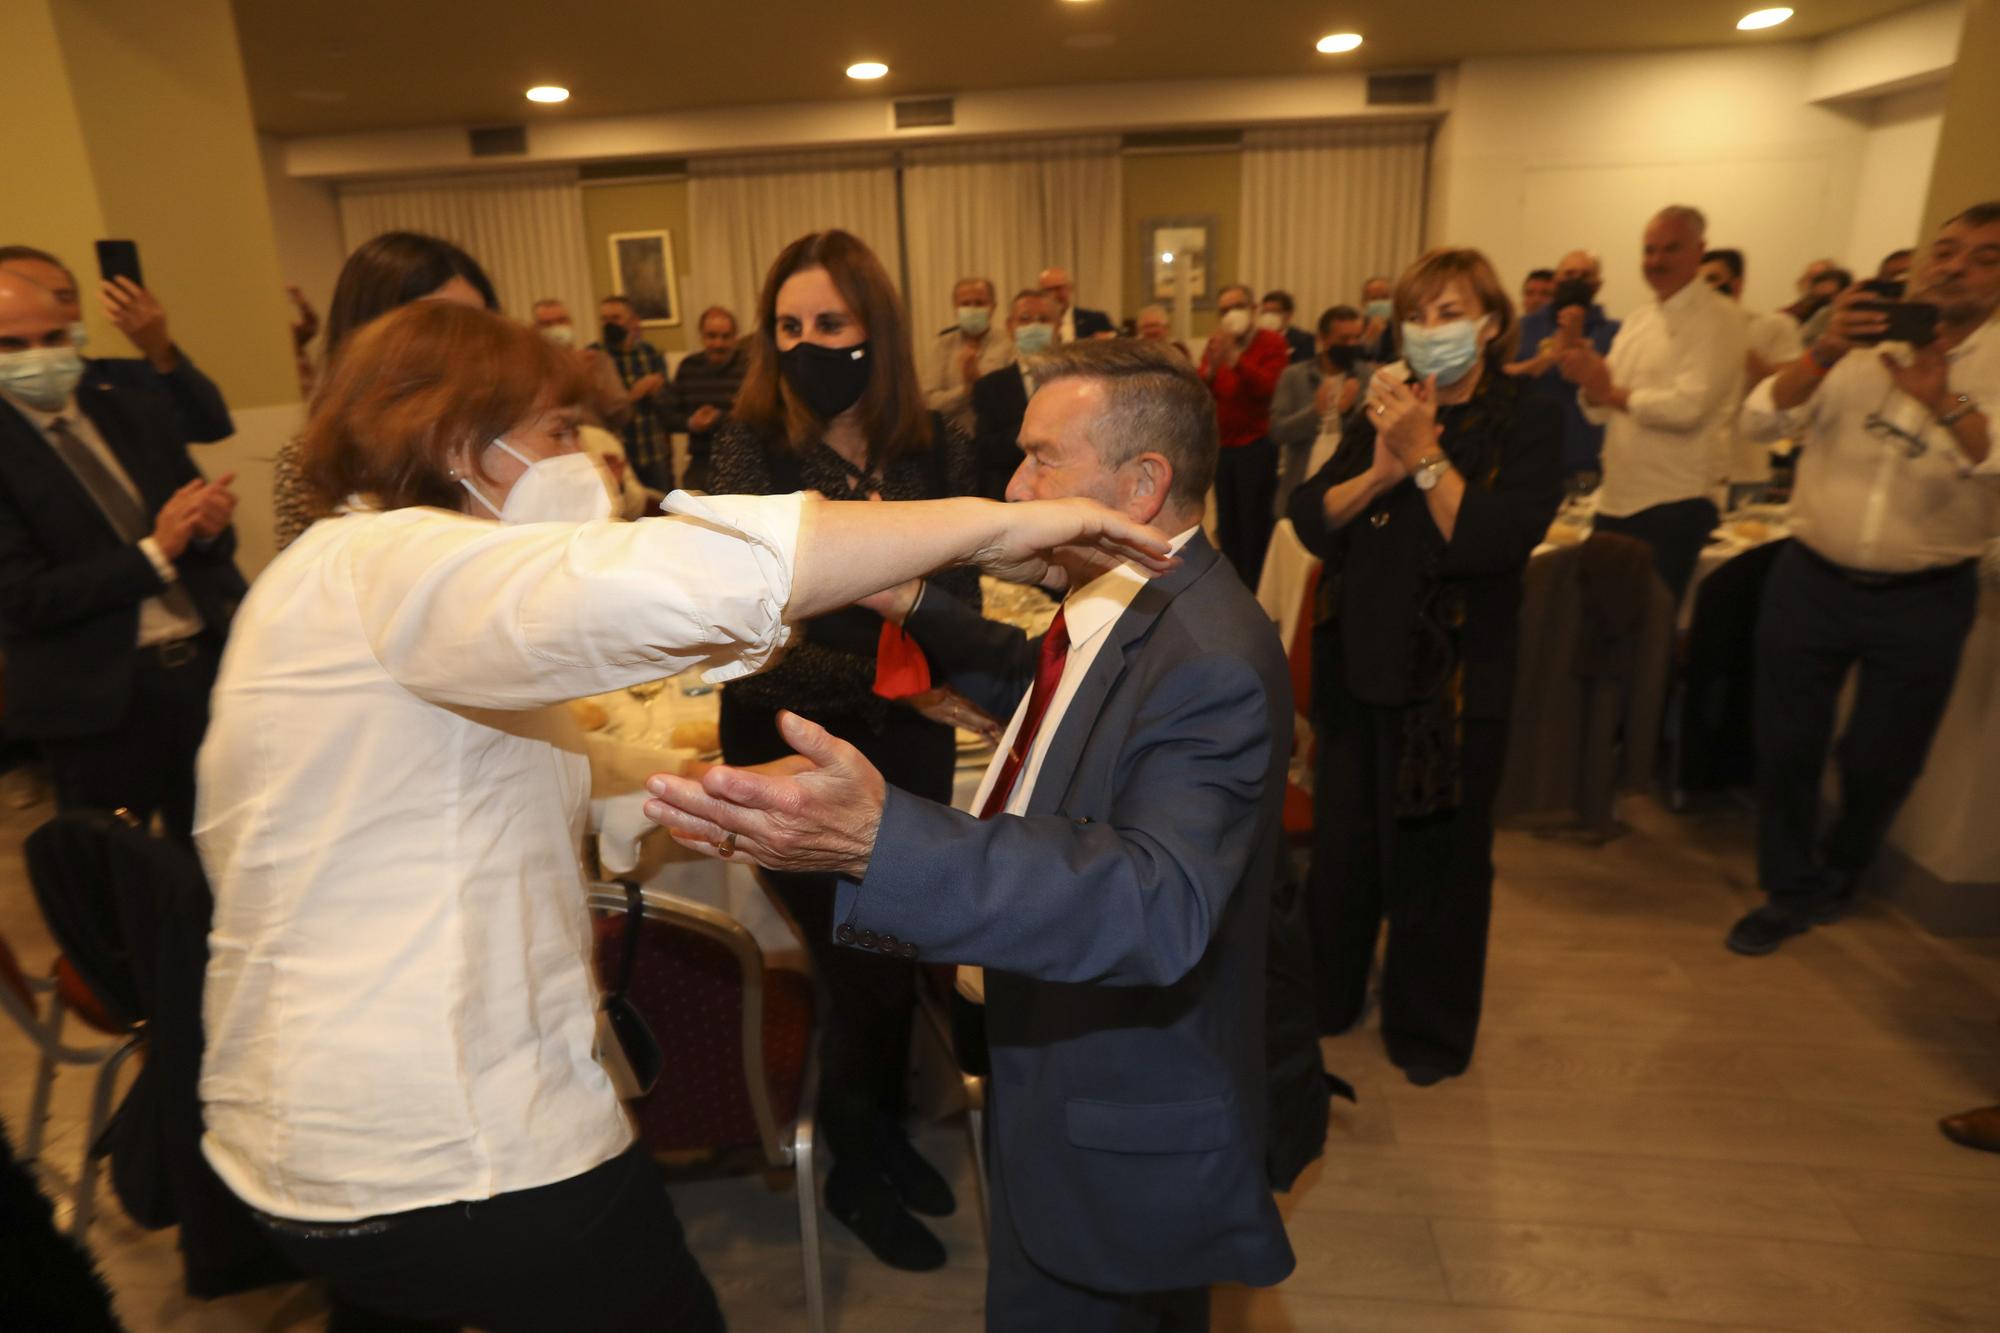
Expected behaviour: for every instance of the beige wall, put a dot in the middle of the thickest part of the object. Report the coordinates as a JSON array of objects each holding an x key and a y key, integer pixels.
[
  {"x": 1967, "y": 169},
  {"x": 1167, "y": 184},
  {"x": 164, "y": 116},
  {"x": 640, "y": 206},
  {"x": 305, "y": 220},
  {"x": 51, "y": 197}
]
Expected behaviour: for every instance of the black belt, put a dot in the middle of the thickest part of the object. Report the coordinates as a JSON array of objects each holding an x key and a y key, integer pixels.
[{"x": 1874, "y": 582}]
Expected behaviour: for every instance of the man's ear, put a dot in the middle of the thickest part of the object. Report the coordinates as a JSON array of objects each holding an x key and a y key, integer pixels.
[{"x": 1153, "y": 478}]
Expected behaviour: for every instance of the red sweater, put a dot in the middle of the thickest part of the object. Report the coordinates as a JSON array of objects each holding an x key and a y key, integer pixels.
[{"x": 1243, "y": 391}]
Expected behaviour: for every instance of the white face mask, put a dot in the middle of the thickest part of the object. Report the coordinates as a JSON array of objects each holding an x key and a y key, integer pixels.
[
  {"x": 974, "y": 320},
  {"x": 1271, "y": 320},
  {"x": 562, "y": 335},
  {"x": 567, "y": 488},
  {"x": 1237, "y": 321},
  {"x": 41, "y": 377}
]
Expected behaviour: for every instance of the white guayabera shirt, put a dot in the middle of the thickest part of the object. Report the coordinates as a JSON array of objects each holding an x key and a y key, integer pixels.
[{"x": 399, "y": 1004}]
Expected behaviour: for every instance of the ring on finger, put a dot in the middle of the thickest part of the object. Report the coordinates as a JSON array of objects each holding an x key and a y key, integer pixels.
[{"x": 728, "y": 844}]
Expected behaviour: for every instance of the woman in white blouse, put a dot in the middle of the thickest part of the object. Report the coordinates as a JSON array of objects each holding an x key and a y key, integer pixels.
[{"x": 399, "y": 1009}]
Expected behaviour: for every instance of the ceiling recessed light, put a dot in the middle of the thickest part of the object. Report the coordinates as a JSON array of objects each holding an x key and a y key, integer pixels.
[
  {"x": 1763, "y": 18},
  {"x": 548, "y": 92},
  {"x": 867, "y": 69},
  {"x": 1337, "y": 43}
]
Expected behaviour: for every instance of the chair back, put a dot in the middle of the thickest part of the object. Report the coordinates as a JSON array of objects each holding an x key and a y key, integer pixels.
[
  {"x": 736, "y": 1037},
  {"x": 102, "y": 885}
]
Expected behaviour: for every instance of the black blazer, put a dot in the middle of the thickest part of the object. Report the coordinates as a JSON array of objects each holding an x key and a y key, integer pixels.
[
  {"x": 1122, "y": 923},
  {"x": 1373, "y": 577},
  {"x": 1090, "y": 323},
  {"x": 999, "y": 402},
  {"x": 70, "y": 587},
  {"x": 190, "y": 397}
]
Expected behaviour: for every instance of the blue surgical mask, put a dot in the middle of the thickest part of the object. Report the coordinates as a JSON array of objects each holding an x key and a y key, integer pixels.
[
  {"x": 973, "y": 320},
  {"x": 1030, "y": 339},
  {"x": 1448, "y": 351},
  {"x": 1379, "y": 309}
]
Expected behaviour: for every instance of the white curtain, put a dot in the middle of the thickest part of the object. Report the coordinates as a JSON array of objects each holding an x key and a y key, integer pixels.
[
  {"x": 1326, "y": 208},
  {"x": 745, "y": 210},
  {"x": 1007, "y": 211},
  {"x": 525, "y": 229}
]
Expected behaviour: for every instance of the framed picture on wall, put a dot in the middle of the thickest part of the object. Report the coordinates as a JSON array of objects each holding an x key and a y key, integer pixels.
[
  {"x": 1186, "y": 239},
  {"x": 643, "y": 272}
]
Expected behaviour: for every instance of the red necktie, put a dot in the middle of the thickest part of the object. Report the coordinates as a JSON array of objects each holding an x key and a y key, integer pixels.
[{"x": 1048, "y": 673}]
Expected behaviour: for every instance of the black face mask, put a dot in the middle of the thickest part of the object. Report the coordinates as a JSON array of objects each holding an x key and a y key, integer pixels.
[
  {"x": 828, "y": 380},
  {"x": 614, "y": 337},
  {"x": 1344, "y": 359}
]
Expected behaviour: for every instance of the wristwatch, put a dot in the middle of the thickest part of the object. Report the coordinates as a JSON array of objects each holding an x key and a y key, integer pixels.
[{"x": 1427, "y": 471}]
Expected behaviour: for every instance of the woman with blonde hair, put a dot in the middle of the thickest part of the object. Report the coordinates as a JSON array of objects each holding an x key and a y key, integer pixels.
[{"x": 1425, "y": 516}]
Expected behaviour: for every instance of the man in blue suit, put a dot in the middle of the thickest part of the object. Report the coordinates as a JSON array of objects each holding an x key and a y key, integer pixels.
[{"x": 1114, "y": 886}]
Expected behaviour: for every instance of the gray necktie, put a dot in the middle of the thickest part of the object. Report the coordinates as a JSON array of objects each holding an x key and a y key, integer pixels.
[{"x": 127, "y": 518}]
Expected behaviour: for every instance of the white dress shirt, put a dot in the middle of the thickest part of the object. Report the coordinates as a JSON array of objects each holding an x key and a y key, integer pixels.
[
  {"x": 947, "y": 387},
  {"x": 1681, "y": 361},
  {"x": 157, "y": 623},
  {"x": 1774, "y": 340},
  {"x": 1859, "y": 498},
  {"x": 399, "y": 1005}
]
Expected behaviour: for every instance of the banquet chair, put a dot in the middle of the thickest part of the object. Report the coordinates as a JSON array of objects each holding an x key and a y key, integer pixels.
[
  {"x": 21, "y": 996},
  {"x": 934, "y": 1001},
  {"x": 738, "y": 1041}
]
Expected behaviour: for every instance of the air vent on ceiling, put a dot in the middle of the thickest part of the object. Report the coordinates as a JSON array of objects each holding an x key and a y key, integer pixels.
[
  {"x": 1402, "y": 89},
  {"x": 499, "y": 141},
  {"x": 923, "y": 113}
]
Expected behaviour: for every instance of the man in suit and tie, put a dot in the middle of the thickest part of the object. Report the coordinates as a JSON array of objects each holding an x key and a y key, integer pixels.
[
  {"x": 1000, "y": 397},
  {"x": 116, "y": 574},
  {"x": 199, "y": 413},
  {"x": 1114, "y": 887},
  {"x": 1073, "y": 324}
]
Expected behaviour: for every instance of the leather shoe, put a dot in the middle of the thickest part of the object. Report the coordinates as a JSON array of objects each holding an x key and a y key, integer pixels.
[
  {"x": 1975, "y": 1129},
  {"x": 918, "y": 1184},
  {"x": 1763, "y": 930},
  {"x": 866, "y": 1203}
]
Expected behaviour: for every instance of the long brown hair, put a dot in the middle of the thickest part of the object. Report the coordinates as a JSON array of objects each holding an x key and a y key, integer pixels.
[
  {"x": 419, "y": 390},
  {"x": 893, "y": 417},
  {"x": 392, "y": 270}
]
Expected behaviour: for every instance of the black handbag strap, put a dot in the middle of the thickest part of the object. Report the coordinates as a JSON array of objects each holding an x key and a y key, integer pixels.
[{"x": 635, "y": 912}]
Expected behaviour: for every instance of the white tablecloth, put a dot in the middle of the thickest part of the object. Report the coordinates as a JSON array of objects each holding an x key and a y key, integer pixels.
[{"x": 1281, "y": 588}]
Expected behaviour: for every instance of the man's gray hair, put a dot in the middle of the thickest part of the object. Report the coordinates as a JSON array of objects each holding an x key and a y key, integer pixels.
[
  {"x": 1688, "y": 216},
  {"x": 1153, "y": 400}
]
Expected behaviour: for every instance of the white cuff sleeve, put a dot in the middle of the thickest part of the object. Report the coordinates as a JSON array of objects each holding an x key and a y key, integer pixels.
[
  {"x": 770, "y": 524},
  {"x": 161, "y": 565}
]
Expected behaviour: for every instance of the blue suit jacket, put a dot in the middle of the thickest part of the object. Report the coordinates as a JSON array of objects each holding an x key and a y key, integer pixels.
[{"x": 1121, "y": 921}]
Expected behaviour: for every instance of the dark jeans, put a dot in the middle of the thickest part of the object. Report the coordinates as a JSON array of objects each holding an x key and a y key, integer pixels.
[
  {"x": 1432, "y": 878},
  {"x": 1246, "y": 484},
  {"x": 601, "y": 1251},
  {"x": 1023, "y": 1298},
  {"x": 146, "y": 763},
  {"x": 872, "y": 998},
  {"x": 1676, "y": 532},
  {"x": 1815, "y": 626}
]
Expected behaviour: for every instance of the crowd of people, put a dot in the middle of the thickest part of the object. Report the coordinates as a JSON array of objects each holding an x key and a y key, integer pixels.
[{"x": 399, "y": 1009}]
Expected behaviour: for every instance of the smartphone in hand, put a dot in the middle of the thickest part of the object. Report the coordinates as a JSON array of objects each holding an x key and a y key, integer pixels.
[
  {"x": 119, "y": 259},
  {"x": 1912, "y": 322}
]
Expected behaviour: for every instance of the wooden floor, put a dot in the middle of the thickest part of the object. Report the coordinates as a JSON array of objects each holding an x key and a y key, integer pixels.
[{"x": 1656, "y": 1134}]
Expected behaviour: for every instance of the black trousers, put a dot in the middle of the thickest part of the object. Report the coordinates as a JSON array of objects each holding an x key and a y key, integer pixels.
[
  {"x": 145, "y": 764},
  {"x": 1024, "y": 1298},
  {"x": 1432, "y": 878},
  {"x": 865, "y": 1046},
  {"x": 1815, "y": 626},
  {"x": 1246, "y": 484},
  {"x": 1676, "y": 532},
  {"x": 601, "y": 1251}
]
